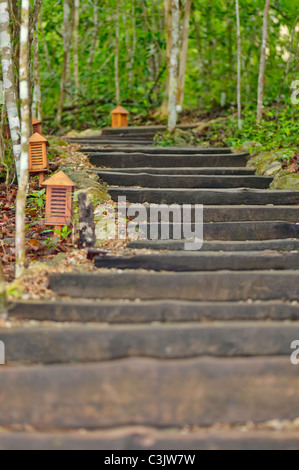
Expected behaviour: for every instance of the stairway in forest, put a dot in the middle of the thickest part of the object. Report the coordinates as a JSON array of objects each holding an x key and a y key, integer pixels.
[{"x": 167, "y": 340}]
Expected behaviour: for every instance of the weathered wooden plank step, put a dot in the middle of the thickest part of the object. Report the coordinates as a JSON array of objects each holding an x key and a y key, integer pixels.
[
  {"x": 136, "y": 160},
  {"x": 150, "y": 392},
  {"x": 222, "y": 231},
  {"x": 96, "y": 343},
  {"x": 113, "y": 141},
  {"x": 206, "y": 261},
  {"x": 184, "y": 181},
  {"x": 162, "y": 150},
  {"x": 119, "y": 312},
  {"x": 225, "y": 246},
  {"x": 202, "y": 286},
  {"x": 148, "y": 439},
  {"x": 181, "y": 171},
  {"x": 235, "y": 213},
  {"x": 242, "y": 196}
]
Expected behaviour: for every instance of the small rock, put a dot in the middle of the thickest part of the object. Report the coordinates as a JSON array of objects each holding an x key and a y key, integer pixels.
[{"x": 274, "y": 168}]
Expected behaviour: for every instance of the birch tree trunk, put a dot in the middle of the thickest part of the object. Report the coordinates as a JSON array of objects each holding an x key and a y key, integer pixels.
[
  {"x": 184, "y": 56},
  {"x": 261, "y": 83},
  {"x": 168, "y": 26},
  {"x": 3, "y": 299},
  {"x": 76, "y": 48},
  {"x": 9, "y": 85},
  {"x": 25, "y": 131},
  {"x": 37, "y": 96},
  {"x": 174, "y": 62},
  {"x": 134, "y": 43},
  {"x": 67, "y": 34},
  {"x": 239, "y": 65},
  {"x": 95, "y": 33},
  {"x": 116, "y": 63}
]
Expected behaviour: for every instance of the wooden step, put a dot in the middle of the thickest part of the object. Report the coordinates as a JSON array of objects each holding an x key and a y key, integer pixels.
[
  {"x": 161, "y": 150},
  {"x": 201, "y": 286},
  {"x": 184, "y": 181},
  {"x": 206, "y": 261},
  {"x": 195, "y": 392},
  {"x": 136, "y": 160},
  {"x": 148, "y": 439},
  {"x": 224, "y": 231},
  {"x": 181, "y": 171},
  {"x": 215, "y": 246},
  {"x": 132, "y": 312},
  {"x": 63, "y": 344},
  {"x": 242, "y": 196}
]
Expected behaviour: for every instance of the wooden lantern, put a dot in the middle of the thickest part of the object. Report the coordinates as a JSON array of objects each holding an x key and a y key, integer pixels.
[
  {"x": 37, "y": 126},
  {"x": 120, "y": 117},
  {"x": 59, "y": 200},
  {"x": 38, "y": 161}
]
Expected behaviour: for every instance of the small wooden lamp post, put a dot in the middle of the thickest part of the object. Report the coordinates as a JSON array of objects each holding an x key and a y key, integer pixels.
[
  {"x": 120, "y": 117},
  {"x": 59, "y": 200},
  {"x": 37, "y": 126},
  {"x": 38, "y": 160}
]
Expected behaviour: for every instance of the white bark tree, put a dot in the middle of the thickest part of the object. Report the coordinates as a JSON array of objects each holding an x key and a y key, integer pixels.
[
  {"x": 239, "y": 65},
  {"x": 37, "y": 96},
  {"x": 184, "y": 55},
  {"x": 173, "y": 68},
  {"x": 261, "y": 82},
  {"x": 116, "y": 62},
  {"x": 67, "y": 35},
  {"x": 168, "y": 27},
  {"x": 9, "y": 84},
  {"x": 76, "y": 48},
  {"x": 25, "y": 132}
]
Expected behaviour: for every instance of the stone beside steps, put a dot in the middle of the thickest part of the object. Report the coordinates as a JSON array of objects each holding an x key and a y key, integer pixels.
[{"x": 156, "y": 342}]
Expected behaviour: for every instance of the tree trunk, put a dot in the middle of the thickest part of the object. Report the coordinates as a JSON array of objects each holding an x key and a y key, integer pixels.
[
  {"x": 9, "y": 85},
  {"x": 37, "y": 96},
  {"x": 95, "y": 33},
  {"x": 261, "y": 83},
  {"x": 168, "y": 26},
  {"x": 174, "y": 62},
  {"x": 67, "y": 34},
  {"x": 87, "y": 237},
  {"x": 239, "y": 65},
  {"x": 25, "y": 131},
  {"x": 76, "y": 48},
  {"x": 3, "y": 299},
  {"x": 116, "y": 63},
  {"x": 184, "y": 56},
  {"x": 134, "y": 43}
]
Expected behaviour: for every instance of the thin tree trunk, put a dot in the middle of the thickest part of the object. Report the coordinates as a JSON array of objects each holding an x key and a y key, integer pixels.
[
  {"x": 184, "y": 56},
  {"x": 134, "y": 43},
  {"x": 239, "y": 65},
  {"x": 168, "y": 26},
  {"x": 3, "y": 299},
  {"x": 116, "y": 63},
  {"x": 261, "y": 82},
  {"x": 66, "y": 44},
  {"x": 95, "y": 33},
  {"x": 174, "y": 62},
  {"x": 25, "y": 130},
  {"x": 76, "y": 48},
  {"x": 37, "y": 97},
  {"x": 45, "y": 46},
  {"x": 9, "y": 85}
]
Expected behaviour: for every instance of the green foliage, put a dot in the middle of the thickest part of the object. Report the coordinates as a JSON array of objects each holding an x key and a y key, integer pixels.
[
  {"x": 37, "y": 199},
  {"x": 64, "y": 233},
  {"x": 211, "y": 69}
]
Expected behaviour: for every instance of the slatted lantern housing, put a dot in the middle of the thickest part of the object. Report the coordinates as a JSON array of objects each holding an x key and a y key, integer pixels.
[
  {"x": 37, "y": 126},
  {"x": 120, "y": 117},
  {"x": 38, "y": 160},
  {"x": 59, "y": 200}
]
